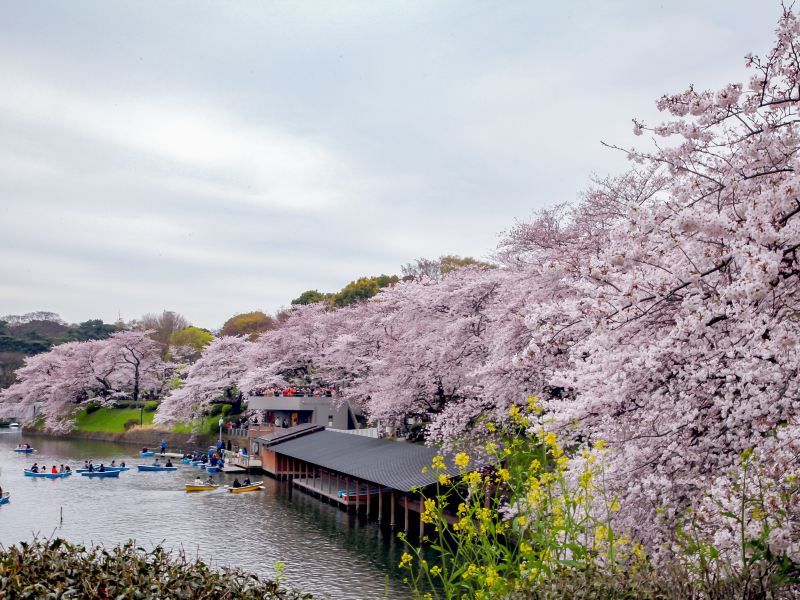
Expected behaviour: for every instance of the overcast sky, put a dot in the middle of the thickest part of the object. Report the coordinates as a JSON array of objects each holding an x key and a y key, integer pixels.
[{"x": 220, "y": 157}]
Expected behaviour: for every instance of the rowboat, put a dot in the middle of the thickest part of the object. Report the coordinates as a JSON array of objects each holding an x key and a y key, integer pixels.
[
  {"x": 155, "y": 468},
  {"x": 145, "y": 454},
  {"x": 213, "y": 469},
  {"x": 4, "y": 498},
  {"x": 191, "y": 487},
  {"x": 29, "y": 473},
  {"x": 25, "y": 450},
  {"x": 186, "y": 461},
  {"x": 106, "y": 468},
  {"x": 101, "y": 474},
  {"x": 245, "y": 488}
]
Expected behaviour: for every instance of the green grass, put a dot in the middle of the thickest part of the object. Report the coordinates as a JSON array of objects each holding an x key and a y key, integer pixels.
[
  {"x": 112, "y": 420},
  {"x": 208, "y": 425},
  {"x": 109, "y": 420}
]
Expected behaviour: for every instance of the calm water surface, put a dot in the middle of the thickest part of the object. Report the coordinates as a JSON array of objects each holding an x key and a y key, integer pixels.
[{"x": 325, "y": 550}]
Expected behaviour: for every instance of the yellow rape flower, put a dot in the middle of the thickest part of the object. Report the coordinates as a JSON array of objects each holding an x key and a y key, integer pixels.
[
  {"x": 405, "y": 560},
  {"x": 462, "y": 460}
]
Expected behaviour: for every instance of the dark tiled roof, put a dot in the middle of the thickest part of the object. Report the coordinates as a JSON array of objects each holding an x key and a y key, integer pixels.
[
  {"x": 288, "y": 433},
  {"x": 397, "y": 465}
]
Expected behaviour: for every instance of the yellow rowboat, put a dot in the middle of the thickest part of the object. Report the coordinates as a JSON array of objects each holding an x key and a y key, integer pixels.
[
  {"x": 245, "y": 488},
  {"x": 191, "y": 487}
]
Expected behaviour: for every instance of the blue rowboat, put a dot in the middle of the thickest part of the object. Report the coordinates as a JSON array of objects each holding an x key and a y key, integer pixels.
[
  {"x": 101, "y": 474},
  {"x": 106, "y": 468},
  {"x": 29, "y": 473},
  {"x": 146, "y": 454},
  {"x": 154, "y": 468},
  {"x": 213, "y": 469},
  {"x": 4, "y": 498},
  {"x": 186, "y": 461},
  {"x": 25, "y": 450}
]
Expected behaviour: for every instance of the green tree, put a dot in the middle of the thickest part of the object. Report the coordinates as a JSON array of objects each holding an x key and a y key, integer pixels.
[
  {"x": 249, "y": 324},
  {"x": 191, "y": 337},
  {"x": 94, "y": 329},
  {"x": 310, "y": 297}
]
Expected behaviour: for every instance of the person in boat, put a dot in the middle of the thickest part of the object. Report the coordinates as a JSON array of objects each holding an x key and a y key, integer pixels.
[
  {"x": 113, "y": 463},
  {"x": 198, "y": 481},
  {"x": 209, "y": 481},
  {"x": 86, "y": 464},
  {"x": 60, "y": 468},
  {"x": 122, "y": 464},
  {"x": 54, "y": 470},
  {"x": 35, "y": 468},
  {"x": 169, "y": 463},
  {"x": 91, "y": 468},
  {"x": 236, "y": 483},
  {"x": 246, "y": 481},
  {"x": 101, "y": 468},
  {"x": 67, "y": 469},
  {"x": 156, "y": 463},
  {"x": 145, "y": 449}
]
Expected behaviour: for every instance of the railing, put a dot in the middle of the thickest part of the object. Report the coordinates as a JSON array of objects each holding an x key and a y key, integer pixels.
[
  {"x": 236, "y": 431},
  {"x": 372, "y": 432},
  {"x": 246, "y": 461}
]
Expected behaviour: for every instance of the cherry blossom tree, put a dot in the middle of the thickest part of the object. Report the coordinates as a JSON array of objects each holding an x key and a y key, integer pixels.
[
  {"x": 678, "y": 328},
  {"x": 70, "y": 374},
  {"x": 214, "y": 375}
]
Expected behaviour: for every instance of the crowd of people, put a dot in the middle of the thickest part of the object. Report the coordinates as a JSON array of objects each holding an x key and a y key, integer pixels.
[{"x": 300, "y": 391}]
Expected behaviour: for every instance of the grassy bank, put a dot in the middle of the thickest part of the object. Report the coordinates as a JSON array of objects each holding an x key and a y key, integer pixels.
[
  {"x": 110, "y": 420},
  {"x": 59, "y": 569},
  {"x": 114, "y": 420}
]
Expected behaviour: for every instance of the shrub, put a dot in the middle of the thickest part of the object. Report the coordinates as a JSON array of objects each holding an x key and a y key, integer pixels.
[
  {"x": 93, "y": 406},
  {"x": 130, "y": 423},
  {"x": 38, "y": 569},
  {"x": 151, "y": 406},
  {"x": 226, "y": 409}
]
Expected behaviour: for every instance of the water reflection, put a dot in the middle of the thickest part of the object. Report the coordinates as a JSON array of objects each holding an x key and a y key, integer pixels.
[{"x": 325, "y": 550}]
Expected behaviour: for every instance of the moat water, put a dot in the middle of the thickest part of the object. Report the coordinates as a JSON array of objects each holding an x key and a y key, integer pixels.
[{"x": 325, "y": 550}]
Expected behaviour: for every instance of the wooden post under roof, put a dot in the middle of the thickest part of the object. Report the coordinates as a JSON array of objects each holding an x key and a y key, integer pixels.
[
  {"x": 405, "y": 514},
  {"x": 380, "y": 506},
  {"x": 391, "y": 520}
]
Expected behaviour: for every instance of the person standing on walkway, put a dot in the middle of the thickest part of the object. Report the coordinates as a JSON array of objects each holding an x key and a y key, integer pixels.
[{"x": 163, "y": 446}]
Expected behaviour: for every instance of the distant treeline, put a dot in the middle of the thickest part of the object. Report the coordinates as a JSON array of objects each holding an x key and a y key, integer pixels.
[{"x": 25, "y": 335}]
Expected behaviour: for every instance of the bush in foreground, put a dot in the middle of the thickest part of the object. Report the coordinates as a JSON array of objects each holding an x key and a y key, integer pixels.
[{"x": 58, "y": 569}]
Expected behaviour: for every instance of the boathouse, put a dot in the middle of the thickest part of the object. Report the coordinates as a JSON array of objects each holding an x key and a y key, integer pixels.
[{"x": 384, "y": 479}]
